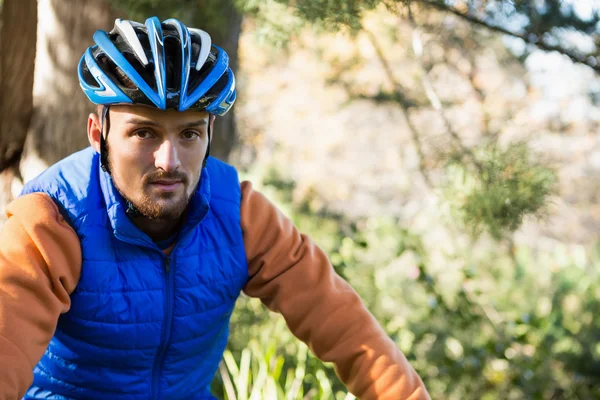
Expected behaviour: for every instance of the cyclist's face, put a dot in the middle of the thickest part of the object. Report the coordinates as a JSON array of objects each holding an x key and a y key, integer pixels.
[{"x": 156, "y": 156}]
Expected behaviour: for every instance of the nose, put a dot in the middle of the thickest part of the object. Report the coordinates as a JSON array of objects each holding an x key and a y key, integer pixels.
[{"x": 166, "y": 157}]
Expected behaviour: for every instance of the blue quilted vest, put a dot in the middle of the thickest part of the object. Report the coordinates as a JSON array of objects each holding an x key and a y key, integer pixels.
[{"x": 142, "y": 325}]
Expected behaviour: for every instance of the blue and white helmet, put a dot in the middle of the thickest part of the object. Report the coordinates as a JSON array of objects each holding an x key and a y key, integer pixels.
[{"x": 164, "y": 65}]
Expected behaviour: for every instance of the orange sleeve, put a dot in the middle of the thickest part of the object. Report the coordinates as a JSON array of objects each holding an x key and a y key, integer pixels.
[
  {"x": 40, "y": 265},
  {"x": 291, "y": 275}
]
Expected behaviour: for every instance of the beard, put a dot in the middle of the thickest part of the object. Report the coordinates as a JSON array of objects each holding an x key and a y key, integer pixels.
[
  {"x": 155, "y": 209},
  {"x": 163, "y": 206}
]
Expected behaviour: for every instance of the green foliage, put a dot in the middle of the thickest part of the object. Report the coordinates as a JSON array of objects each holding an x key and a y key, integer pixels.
[
  {"x": 141, "y": 9},
  {"x": 279, "y": 20},
  {"x": 512, "y": 338},
  {"x": 542, "y": 16},
  {"x": 274, "y": 23},
  {"x": 492, "y": 326},
  {"x": 333, "y": 14},
  {"x": 504, "y": 187},
  {"x": 263, "y": 358},
  {"x": 210, "y": 15},
  {"x": 263, "y": 372},
  {"x": 538, "y": 18}
]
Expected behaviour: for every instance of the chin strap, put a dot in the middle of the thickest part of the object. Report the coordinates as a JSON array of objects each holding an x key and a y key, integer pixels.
[
  {"x": 105, "y": 118},
  {"x": 132, "y": 211},
  {"x": 208, "y": 145}
]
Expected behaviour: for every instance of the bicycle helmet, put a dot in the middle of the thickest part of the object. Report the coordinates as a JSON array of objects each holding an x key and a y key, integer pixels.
[{"x": 163, "y": 65}]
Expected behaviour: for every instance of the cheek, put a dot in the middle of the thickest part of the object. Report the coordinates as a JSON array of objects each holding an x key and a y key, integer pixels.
[
  {"x": 192, "y": 165},
  {"x": 127, "y": 169},
  {"x": 192, "y": 158}
]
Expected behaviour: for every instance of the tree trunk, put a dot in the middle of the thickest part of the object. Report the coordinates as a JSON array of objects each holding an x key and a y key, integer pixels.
[
  {"x": 58, "y": 126},
  {"x": 17, "y": 61},
  {"x": 225, "y": 30}
]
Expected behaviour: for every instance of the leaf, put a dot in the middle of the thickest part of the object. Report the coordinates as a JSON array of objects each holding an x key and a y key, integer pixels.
[{"x": 242, "y": 381}]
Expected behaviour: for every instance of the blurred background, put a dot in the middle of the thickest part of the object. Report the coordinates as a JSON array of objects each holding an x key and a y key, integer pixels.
[{"x": 444, "y": 153}]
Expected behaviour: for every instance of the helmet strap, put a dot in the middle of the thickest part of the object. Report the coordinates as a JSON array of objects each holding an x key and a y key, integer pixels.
[
  {"x": 208, "y": 146},
  {"x": 105, "y": 119}
]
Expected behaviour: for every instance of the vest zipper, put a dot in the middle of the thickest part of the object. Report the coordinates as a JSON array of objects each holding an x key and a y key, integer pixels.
[{"x": 167, "y": 325}]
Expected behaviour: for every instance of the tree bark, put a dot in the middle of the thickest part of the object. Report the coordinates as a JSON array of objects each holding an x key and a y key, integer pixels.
[
  {"x": 58, "y": 125},
  {"x": 17, "y": 61},
  {"x": 225, "y": 34}
]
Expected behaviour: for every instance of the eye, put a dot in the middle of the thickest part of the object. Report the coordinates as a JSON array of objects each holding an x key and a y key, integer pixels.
[
  {"x": 143, "y": 134},
  {"x": 190, "y": 135}
]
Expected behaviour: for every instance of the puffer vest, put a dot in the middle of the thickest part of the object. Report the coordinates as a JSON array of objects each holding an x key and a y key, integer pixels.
[{"x": 142, "y": 325}]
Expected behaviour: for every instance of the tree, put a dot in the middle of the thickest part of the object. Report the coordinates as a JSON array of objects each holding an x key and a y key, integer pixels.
[
  {"x": 44, "y": 111},
  {"x": 57, "y": 127},
  {"x": 545, "y": 24},
  {"x": 548, "y": 25},
  {"x": 17, "y": 54},
  {"x": 226, "y": 31}
]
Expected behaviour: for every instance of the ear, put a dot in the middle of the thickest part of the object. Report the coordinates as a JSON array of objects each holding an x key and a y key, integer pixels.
[
  {"x": 94, "y": 130},
  {"x": 211, "y": 121}
]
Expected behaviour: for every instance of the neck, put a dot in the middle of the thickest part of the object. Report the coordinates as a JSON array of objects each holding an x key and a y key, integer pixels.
[{"x": 158, "y": 230}]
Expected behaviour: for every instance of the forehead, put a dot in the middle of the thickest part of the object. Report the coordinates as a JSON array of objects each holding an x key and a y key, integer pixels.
[{"x": 124, "y": 113}]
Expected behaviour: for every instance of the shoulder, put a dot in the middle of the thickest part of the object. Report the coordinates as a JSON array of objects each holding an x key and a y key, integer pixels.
[
  {"x": 67, "y": 172},
  {"x": 68, "y": 182},
  {"x": 224, "y": 181},
  {"x": 34, "y": 207},
  {"x": 218, "y": 167}
]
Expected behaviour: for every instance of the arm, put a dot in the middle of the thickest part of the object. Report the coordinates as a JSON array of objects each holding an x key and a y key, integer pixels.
[
  {"x": 40, "y": 264},
  {"x": 291, "y": 275}
]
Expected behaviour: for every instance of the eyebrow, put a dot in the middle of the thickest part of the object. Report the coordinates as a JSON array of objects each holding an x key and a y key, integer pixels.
[
  {"x": 194, "y": 124},
  {"x": 149, "y": 122}
]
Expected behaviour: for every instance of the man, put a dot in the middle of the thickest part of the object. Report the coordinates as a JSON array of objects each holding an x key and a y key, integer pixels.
[{"x": 121, "y": 264}]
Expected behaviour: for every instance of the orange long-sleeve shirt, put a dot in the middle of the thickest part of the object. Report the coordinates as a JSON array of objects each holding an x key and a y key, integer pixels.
[{"x": 40, "y": 265}]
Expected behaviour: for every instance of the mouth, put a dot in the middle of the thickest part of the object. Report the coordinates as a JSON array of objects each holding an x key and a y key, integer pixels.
[{"x": 167, "y": 185}]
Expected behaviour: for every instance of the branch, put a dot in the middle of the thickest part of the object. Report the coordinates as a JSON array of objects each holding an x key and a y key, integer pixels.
[
  {"x": 398, "y": 89},
  {"x": 417, "y": 44},
  {"x": 576, "y": 57}
]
